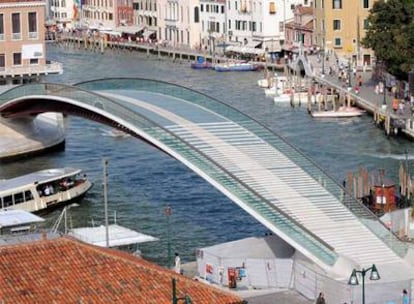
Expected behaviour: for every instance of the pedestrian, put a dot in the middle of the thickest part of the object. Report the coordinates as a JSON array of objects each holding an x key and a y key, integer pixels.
[
  {"x": 320, "y": 299},
  {"x": 177, "y": 266},
  {"x": 360, "y": 80},
  {"x": 405, "y": 297}
]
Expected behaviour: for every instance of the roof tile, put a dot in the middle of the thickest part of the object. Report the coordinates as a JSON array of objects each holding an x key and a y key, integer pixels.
[{"x": 66, "y": 270}]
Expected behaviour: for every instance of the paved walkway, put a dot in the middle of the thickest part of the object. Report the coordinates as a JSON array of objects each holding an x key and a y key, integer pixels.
[{"x": 255, "y": 296}]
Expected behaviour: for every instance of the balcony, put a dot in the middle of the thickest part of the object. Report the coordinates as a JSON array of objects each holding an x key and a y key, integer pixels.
[{"x": 49, "y": 68}]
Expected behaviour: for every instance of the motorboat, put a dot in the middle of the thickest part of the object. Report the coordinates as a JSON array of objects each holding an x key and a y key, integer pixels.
[
  {"x": 270, "y": 81},
  {"x": 277, "y": 86},
  {"x": 45, "y": 189},
  {"x": 236, "y": 66},
  {"x": 202, "y": 65},
  {"x": 342, "y": 112}
]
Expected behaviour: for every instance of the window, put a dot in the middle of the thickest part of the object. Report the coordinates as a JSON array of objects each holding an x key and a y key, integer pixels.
[
  {"x": 337, "y": 4},
  {"x": 16, "y": 26},
  {"x": 196, "y": 15},
  {"x": 366, "y": 24},
  {"x": 222, "y": 9},
  {"x": 365, "y": 3},
  {"x": 7, "y": 201},
  {"x": 272, "y": 8},
  {"x": 28, "y": 196},
  {"x": 207, "y": 8},
  {"x": 32, "y": 20},
  {"x": 235, "y": 5},
  {"x": 229, "y": 24},
  {"x": 2, "y": 62},
  {"x": 337, "y": 25},
  {"x": 18, "y": 198},
  {"x": 17, "y": 58},
  {"x": 1, "y": 27},
  {"x": 201, "y": 7},
  {"x": 338, "y": 42},
  {"x": 281, "y": 26},
  {"x": 34, "y": 61}
]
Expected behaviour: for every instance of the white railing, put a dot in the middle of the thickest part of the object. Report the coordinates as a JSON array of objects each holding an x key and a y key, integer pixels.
[
  {"x": 50, "y": 68},
  {"x": 33, "y": 35},
  {"x": 16, "y": 36}
]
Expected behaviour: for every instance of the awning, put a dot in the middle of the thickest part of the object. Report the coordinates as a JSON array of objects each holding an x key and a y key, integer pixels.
[
  {"x": 245, "y": 50},
  {"x": 111, "y": 33},
  {"x": 272, "y": 46},
  {"x": 130, "y": 29},
  {"x": 147, "y": 33}
]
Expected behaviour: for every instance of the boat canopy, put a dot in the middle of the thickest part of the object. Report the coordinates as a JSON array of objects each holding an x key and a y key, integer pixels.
[
  {"x": 118, "y": 236},
  {"x": 40, "y": 177},
  {"x": 11, "y": 218}
]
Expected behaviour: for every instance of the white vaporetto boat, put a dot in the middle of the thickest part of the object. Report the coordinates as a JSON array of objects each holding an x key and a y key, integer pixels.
[{"x": 43, "y": 189}]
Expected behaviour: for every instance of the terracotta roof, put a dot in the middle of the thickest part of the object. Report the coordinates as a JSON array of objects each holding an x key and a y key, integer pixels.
[{"x": 64, "y": 270}]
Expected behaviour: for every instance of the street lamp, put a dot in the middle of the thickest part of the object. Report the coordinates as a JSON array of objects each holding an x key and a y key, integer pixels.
[
  {"x": 353, "y": 279},
  {"x": 168, "y": 214}
]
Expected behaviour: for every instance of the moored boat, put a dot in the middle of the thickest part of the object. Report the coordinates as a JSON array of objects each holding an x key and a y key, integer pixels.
[
  {"x": 342, "y": 112},
  {"x": 45, "y": 189},
  {"x": 236, "y": 66},
  {"x": 202, "y": 65}
]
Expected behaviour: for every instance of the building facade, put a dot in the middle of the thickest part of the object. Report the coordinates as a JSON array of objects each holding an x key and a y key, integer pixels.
[
  {"x": 340, "y": 26},
  {"x": 299, "y": 31},
  {"x": 260, "y": 24},
  {"x": 213, "y": 25},
  {"x": 145, "y": 18},
  {"x": 99, "y": 14},
  {"x": 64, "y": 12},
  {"x": 22, "y": 42},
  {"x": 179, "y": 23}
]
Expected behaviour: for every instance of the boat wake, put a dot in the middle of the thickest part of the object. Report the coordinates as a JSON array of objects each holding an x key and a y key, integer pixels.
[
  {"x": 114, "y": 133},
  {"x": 391, "y": 156}
]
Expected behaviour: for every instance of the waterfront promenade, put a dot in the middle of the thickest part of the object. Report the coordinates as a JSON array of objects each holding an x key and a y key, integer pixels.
[
  {"x": 175, "y": 52},
  {"x": 380, "y": 105}
]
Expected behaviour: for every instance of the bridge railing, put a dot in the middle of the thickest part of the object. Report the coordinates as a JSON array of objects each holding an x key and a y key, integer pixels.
[
  {"x": 84, "y": 93},
  {"x": 368, "y": 218}
]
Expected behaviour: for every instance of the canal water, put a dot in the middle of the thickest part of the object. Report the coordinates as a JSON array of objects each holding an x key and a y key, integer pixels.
[{"x": 143, "y": 180}]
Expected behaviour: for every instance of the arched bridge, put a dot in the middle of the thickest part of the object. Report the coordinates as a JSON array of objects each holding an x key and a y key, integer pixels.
[{"x": 257, "y": 169}]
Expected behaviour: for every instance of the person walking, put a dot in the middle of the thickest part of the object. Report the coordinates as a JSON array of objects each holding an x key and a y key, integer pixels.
[
  {"x": 320, "y": 299},
  {"x": 405, "y": 297},
  {"x": 177, "y": 266}
]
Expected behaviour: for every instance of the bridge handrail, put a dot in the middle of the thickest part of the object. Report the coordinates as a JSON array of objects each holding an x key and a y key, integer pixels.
[
  {"x": 294, "y": 154},
  {"x": 325, "y": 252}
]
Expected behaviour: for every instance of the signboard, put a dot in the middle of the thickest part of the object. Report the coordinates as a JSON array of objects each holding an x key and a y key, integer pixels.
[{"x": 32, "y": 51}]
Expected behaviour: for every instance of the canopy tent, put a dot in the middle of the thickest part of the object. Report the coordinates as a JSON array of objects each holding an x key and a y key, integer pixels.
[
  {"x": 147, "y": 34},
  {"x": 118, "y": 236},
  {"x": 245, "y": 50},
  {"x": 130, "y": 29}
]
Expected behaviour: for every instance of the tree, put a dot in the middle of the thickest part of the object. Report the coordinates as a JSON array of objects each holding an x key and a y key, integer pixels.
[{"x": 391, "y": 35}]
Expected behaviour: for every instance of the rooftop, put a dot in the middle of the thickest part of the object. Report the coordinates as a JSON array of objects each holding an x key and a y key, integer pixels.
[{"x": 66, "y": 270}]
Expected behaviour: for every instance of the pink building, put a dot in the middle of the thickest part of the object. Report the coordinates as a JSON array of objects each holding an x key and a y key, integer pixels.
[{"x": 299, "y": 31}]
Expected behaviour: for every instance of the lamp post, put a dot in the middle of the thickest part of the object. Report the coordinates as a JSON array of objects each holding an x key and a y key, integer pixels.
[
  {"x": 168, "y": 214},
  {"x": 349, "y": 74},
  {"x": 353, "y": 279}
]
